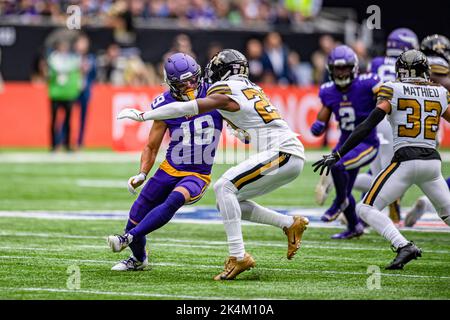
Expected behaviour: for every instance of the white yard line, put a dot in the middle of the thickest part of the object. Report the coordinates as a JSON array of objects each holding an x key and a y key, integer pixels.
[
  {"x": 119, "y": 293},
  {"x": 207, "y": 243},
  {"x": 218, "y": 267}
]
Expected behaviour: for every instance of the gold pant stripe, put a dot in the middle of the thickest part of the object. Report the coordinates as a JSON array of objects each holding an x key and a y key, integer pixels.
[
  {"x": 166, "y": 167},
  {"x": 259, "y": 171},
  {"x": 362, "y": 154},
  {"x": 379, "y": 182}
]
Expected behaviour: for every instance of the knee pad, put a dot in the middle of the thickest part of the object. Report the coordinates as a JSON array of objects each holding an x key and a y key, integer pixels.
[{"x": 224, "y": 186}]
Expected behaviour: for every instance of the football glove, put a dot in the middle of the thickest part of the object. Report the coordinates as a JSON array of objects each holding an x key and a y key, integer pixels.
[
  {"x": 242, "y": 135},
  {"x": 135, "y": 182},
  {"x": 133, "y": 114},
  {"x": 318, "y": 127},
  {"x": 328, "y": 161}
]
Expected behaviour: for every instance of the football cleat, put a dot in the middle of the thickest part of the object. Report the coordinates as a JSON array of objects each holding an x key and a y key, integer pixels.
[
  {"x": 334, "y": 211},
  {"x": 130, "y": 264},
  {"x": 404, "y": 255},
  {"x": 349, "y": 234},
  {"x": 294, "y": 234},
  {"x": 323, "y": 188},
  {"x": 394, "y": 211},
  {"x": 233, "y": 267},
  {"x": 416, "y": 213},
  {"x": 117, "y": 242}
]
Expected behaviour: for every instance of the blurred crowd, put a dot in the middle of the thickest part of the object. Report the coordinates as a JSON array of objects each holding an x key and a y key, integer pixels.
[
  {"x": 201, "y": 13},
  {"x": 271, "y": 60}
]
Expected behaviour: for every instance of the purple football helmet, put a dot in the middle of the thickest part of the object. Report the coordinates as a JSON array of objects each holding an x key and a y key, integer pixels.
[
  {"x": 400, "y": 40},
  {"x": 183, "y": 76},
  {"x": 342, "y": 65}
]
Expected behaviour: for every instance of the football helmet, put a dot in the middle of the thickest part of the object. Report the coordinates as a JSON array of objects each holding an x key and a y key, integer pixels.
[
  {"x": 183, "y": 76},
  {"x": 224, "y": 64},
  {"x": 436, "y": 45},
  {"x": 342, "y": 65},
  {"x": 412, "y": 64},
  {"x": 400, "y": 40}
]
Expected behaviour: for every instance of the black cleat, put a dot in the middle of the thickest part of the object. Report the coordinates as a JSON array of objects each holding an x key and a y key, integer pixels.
[{"x": 404, "y": 255}]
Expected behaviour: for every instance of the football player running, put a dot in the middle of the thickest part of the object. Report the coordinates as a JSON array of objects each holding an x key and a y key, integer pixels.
[
  {"x": 279, "y": 160},
  {"x": 351, "y": 98},
  {"x": 398, "y": 41},
  {"x": 414, "y": 106},
  {"x": 184, "y": 175},
  {"x": 437, "y": 49}
]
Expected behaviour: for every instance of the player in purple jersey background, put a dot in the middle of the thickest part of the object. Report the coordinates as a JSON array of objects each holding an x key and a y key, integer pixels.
[
  {"x": 350, "y": 98},
  {"x": 399, "y": 40},
  {"x": 184, "y": 175}
]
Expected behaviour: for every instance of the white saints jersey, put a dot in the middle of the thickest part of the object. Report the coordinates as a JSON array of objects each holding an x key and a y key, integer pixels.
[
  {"x": 416, "y": 111},
  {"x": 257, "y": 117}
]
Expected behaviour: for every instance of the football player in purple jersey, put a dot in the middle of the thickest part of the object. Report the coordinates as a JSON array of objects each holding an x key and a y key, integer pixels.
[
  {"x": 398, "y": 41},
  {"x": 184, "y": 175},
  {"x": 350, "y": 98}
]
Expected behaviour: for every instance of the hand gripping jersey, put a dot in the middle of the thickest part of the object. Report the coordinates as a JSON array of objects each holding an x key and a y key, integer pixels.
[
  {"x": 353, "y": 106},
  {"x": 257, "y": 117},
  {"x": 193, "y": 140},
  {"x": 417, "y": 107}
]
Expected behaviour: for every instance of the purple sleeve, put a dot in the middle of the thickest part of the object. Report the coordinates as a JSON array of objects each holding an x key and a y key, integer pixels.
[{"x": 324, "y": 96}]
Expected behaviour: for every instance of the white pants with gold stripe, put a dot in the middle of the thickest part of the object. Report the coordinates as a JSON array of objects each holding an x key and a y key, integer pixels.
[
  {"x": 263, "y": 173},
  {"x": 398, "y": 177}
]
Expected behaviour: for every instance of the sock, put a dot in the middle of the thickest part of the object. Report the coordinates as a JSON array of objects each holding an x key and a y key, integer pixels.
[
  {"x": 350, "y": 213},
  {"x": 230, "y": 210},
  {"x": 382, "y": 224},
  {"x": 160, "y": 215},
  {"x": 340, "y": 180},
  {"x": 137, "y": 246},
  {"x": 251, "y": 211}
]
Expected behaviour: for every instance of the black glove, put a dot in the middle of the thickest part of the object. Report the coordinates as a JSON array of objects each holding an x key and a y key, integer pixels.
[{"x": 328, "y": 161}]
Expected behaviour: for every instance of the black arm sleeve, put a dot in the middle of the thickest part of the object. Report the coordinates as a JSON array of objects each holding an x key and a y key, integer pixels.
[{"x": 361, "y": 131}]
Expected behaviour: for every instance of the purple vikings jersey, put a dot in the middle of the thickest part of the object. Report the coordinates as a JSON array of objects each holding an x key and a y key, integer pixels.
[
  {"x": 384, "y": 67},
  {"x": 353, "y": 106},
  {"x": 193, "y": 140}
]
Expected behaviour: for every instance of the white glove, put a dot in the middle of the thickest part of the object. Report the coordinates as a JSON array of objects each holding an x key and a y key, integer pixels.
[
  {"x": 133, "y": 114},
  {"x": 242, "y": 135},
  {"x": 135, "y": 181}
]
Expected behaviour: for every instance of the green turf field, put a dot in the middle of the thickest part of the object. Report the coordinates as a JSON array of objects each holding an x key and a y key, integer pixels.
[
  {"x": 102, "y": 186},
  {"x": 35, "y": 254}
]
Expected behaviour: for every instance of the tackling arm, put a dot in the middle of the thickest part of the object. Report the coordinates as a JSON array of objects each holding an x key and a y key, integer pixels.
[
  {"x": 361, "y": 131},
  {"x": 182, "y": 108}
]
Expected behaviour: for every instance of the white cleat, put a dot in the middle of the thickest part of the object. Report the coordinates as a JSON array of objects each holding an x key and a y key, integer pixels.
[
  {"x": 117, "y": 242},
  {"x": 416, "y": 213},
  {"x": 130, "y": 264},
  {"x": 323, "y": 188}
]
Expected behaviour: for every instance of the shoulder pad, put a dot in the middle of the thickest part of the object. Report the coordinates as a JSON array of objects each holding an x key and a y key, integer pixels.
[{"x": 221, "y": 87}]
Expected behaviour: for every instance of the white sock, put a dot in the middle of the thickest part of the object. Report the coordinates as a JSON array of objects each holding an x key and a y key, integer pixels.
[
  {"x": 363, "y": 182},
  {"x": 382, "y": 224},
  {"x": 231, "y": 213},
  {"x": 251, "y": 211}
]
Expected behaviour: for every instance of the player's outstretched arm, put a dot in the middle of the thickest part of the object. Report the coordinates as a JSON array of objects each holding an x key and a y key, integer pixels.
[
  {"x": 446, "y": 114},
  {"x": 182, "y": 108},
  {"x": 318, "y": 127},
  {"x": 148, "y": 155},
  {"x": 358, "y": 135}
]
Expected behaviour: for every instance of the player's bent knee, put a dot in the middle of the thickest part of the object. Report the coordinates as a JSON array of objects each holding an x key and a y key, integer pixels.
[
  {"x": 184, "y": 192},
  {"x": 224, "y": 186}
]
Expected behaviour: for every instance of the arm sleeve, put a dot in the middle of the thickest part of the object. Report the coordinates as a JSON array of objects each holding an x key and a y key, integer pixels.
[
  {"x": 362, "y": 131},
  {"x": 173, "y": 110}
]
